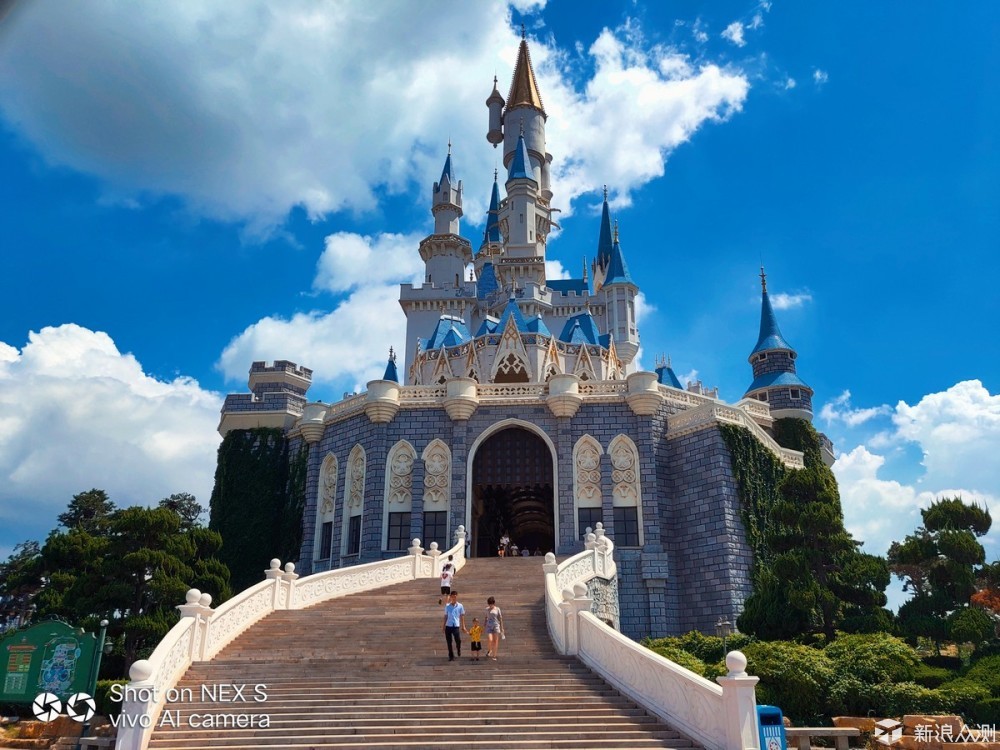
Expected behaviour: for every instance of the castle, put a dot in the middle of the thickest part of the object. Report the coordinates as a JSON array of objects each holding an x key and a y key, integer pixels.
[{"x": 521, "y": 411}]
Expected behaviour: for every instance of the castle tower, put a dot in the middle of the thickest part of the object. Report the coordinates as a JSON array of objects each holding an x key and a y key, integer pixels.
[
  {"x": 773, "y": 362},
  {"x": 620, "y": 292},
  {"x": 524, "y": 222},
  {"x": 604, "y": 244},
  {"x": 492, "y": 244},
  {"x": 445, "y": 253}
]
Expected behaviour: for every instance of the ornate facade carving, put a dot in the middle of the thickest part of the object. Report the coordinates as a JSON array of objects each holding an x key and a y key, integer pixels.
[
  {"x": 356, "y": 481},
  {"x": 624, "y": 471},
  {"x": 437, "y": 475},
  {"x": 328, "y": 485},
  {"x": 587, "y": 472},
  {"x": 399, "y": 477}
]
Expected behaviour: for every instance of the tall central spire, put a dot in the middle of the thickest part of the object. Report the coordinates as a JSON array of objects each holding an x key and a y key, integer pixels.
[{"x": 523, "y": 87}]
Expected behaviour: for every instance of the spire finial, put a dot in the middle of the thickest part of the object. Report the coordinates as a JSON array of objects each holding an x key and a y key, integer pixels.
[
  {"x": 605, "y": 193},
  {"x": 585, "y": 278},
  {"x": 522, "y": 126},
  {"x": 763, "y": 279},
  {"x": 523, "y": 35},
  {"x": 392, "y": 354},
  {"x": 668, "y": 361},
  {"x": 494, "y": 80},
  {"x": 616, "y": 230},
  {"x": 494, "y": 174},
  {"x": 449, "y": 145}
]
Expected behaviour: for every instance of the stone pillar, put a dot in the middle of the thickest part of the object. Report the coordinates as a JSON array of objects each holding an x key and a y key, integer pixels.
[
  {"x": 459, "y": 459},
  {"x": 739, "y": 704},
  {"x": 137, "y": 702},
  {"x": 565, "y": 520},
  {"x": 373, "y": 505},
  {"x": 608, "y": 495}
]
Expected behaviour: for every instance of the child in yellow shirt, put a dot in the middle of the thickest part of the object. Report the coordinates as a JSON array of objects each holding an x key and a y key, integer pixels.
[{"x": 476, "y": 635}]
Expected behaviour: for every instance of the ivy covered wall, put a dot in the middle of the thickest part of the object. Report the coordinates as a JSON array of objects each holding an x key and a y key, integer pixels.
[{"x": 257, "y": 501}]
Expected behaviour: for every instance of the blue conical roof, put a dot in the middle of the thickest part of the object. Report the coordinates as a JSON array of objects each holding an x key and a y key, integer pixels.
[
  {"x": 512, "y": 311},
  {"x": 618, "y": 270},
  {"x": 604, "y": 243},
  {"x": 449, "y": 331},
  {"x": 581, "y": 329},
  {"x": 446, "y": 172},
  {"x": 520, "y": 166},
  {"x": 492, "y": 233},
  {"x": 770, "y": 335},
  {"x": 390, "y": 368},
  {"x": 665, "y": 375},
  {"x": 487, "y": 282}
]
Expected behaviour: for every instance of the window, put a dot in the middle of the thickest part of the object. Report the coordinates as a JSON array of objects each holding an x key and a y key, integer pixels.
[
  {"x": 436, "y": 528},
  {"x": 399, "y": 531},
  {"x": 762, "y": 357},
  {"x": 627, "y": 527},
  {"x": 325, "y": 540},
  {"x": 796, "y": 394},
  {"x": 762, "y": 396},
  {"x": 588, "y": 517},
  {"x": 354, "y": 536}
]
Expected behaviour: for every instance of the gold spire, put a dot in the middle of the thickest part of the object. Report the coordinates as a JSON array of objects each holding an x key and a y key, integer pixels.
[{"x": 523, "y": 87}]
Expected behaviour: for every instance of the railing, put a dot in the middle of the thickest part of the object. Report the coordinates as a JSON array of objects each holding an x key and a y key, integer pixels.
[
  {"x": 708, "y": 414},
  {"x": 203, "y": 632},
  {"x": 719, "y": 716}
]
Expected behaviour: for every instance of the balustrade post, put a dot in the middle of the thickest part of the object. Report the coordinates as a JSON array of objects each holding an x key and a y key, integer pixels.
[
  {"x": 289, "y": 577},
  {"x": 137, "y": 701},
  {"x": 416, "y": 551},
  {"x": 205, "y": 613},
  {"x": 435, "y": 554},
  {"x": 590, "y": 541},
  {"x": 460, "y": 540},
  {"x": 273, "y": 573},
  {"x": 190, "y": 608},
  {"x": 739, "y": 704}
]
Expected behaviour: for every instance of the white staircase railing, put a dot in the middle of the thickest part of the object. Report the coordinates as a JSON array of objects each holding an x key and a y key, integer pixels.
[
  {"x": 719, "y": 716},
  {"x": 203, "y": 632}
]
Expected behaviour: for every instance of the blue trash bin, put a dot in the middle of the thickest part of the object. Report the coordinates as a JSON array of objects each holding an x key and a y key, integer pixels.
[{"x": 772, "y": 728}]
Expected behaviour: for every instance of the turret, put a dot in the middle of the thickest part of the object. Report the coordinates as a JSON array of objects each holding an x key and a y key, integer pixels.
[
  {"x": 604, "y": 245},
  {"x": 524, "y": 222},
  {"x": 620, "y": 292},
  {"x": 495, "y": 104},
  {"x": 445, "y": 253},
  {"x": 390, "y": 368},
  {"x": 491, "y": 245},
  {"x": 524, "y": 115},
  {"x": 773, "y": 362}
]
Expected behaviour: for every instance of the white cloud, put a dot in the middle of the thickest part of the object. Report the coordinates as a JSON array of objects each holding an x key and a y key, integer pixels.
[
  {"x": 245, "y": 110},
  {"x": 839, "y": 410},
  {"x": 790, "y": 83},
  {"x": 756, "y": 22},
  {"x": 783, "y": 301},
  {"x": 554, "y": 270},
  {"x": 958, "y": 434},
  {"x": 348, "y": 346},
  {"x": 351, "y": 260},
  {"x": 528, "y": 6},
  {"x": 734, "y": 33},
  {"x": 820, "y": 77},
  {"x": 76, "y": 413}
]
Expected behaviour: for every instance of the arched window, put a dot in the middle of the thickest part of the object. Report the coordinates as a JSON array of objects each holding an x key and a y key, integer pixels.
[
  {"x": 626, "y": 495},
  {"x": 587, "y": 498},
  {"x": 326, "y": 501},
  {"x": 354, "y": 503},
  {"x": 398, "y": 496},
  {"x": 437, "y": 493}
]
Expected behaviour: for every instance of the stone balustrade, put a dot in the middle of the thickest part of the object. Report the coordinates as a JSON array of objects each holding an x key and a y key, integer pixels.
[{"x": 203, "y": 632}]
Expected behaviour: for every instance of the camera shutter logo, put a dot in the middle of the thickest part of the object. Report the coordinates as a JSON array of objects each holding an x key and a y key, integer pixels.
[
  {"x": 46, "y": 707},
  {"x": 81, "y": 707},
  {"x": 887, "y": 731}
]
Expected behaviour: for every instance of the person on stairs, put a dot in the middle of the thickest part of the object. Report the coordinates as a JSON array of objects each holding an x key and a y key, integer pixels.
[
  {"x": 476, "y": 638},
  {"x": 494, "y": 628},
  {"x": 454, "y": 625},
  {"x": 447, "y": 577}
]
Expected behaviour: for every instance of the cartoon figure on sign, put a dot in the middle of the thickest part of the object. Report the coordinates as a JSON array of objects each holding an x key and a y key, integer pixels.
[
  {"x": 773, "y": 744},
  {"x": 58, "y": 665}
]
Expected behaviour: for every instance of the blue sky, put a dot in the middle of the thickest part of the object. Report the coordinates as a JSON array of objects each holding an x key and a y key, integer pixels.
[{"x": 188, "y": 188}]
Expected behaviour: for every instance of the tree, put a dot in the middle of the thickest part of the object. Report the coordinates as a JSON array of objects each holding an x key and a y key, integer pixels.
[
  {"x": 938, "y": 564},
  {"x": 817, "y": 575},
  {"x": 88, "y": 511},
  {"x": 132, "y": 569},
  {"x": 186, "y": 506},
  {"x": 20, "y": 581}
]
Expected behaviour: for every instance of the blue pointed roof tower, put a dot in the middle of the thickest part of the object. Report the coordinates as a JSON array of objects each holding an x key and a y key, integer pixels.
[
  {"x": 390, "y": 368},
  {"x": 773, "y": 360},
  {"x": 605, "y": 245},
  {"x": 665, "y": 375},
  {"x": 446, "y": 172},
  {"x": 492, "y": 233},
  {"x": 617, "y": 269},
  {"x": 520, "y": 165}
]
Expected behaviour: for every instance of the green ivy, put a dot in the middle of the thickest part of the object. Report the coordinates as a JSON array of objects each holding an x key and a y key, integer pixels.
[
  {"x": 257, "y": 502},
  {"x": 758, "y": 473}
]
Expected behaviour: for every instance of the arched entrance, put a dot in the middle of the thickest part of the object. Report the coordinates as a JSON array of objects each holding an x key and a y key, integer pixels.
[{"x": 512, "y": 490}]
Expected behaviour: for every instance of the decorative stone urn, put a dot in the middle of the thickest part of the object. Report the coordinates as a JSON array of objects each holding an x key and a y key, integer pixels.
[
  {"x": 382, "y": 401},
  {"x": 643, "y": 393},
  {"x": 461, "y": 398},
  {"x": 564, "y": 397}
]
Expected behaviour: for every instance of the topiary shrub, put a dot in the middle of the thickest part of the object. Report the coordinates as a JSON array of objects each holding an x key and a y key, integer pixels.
[
  {"x": 686, "y": 660},
  {"x": 932, "y": 677},
  {"x": 849, "y": 696},
  {"x": 953, "y": 663},
  {"x": 986, "y": 672},
  {"x": 876, "y": 658},
  {"x": 963, "y": 694},
  {"x": 793, "y": 677},
  {"x": 911, "y": 698},
  {"x": 986, "y": 712}
]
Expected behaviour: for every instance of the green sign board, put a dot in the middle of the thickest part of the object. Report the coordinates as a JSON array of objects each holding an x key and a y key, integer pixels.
[{"x": 50, "y": 657}]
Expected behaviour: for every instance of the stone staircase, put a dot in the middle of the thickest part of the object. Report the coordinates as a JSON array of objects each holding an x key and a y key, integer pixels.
[{"x": 372, "y": 671}]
